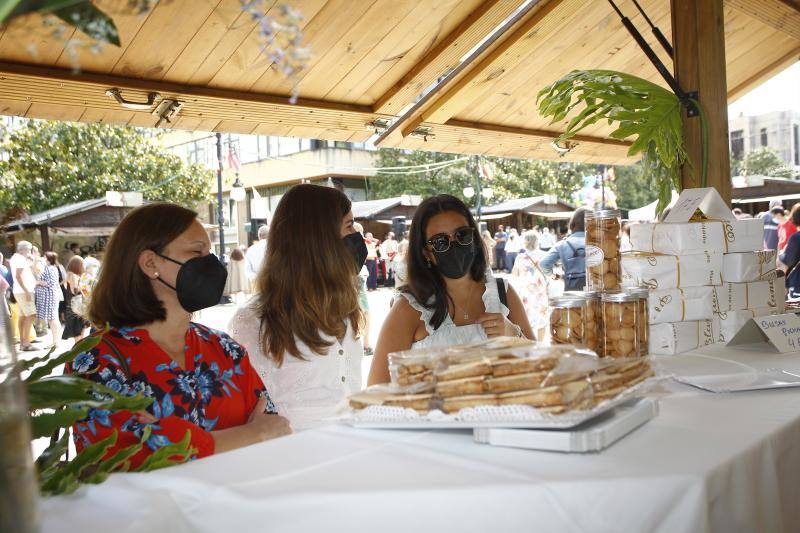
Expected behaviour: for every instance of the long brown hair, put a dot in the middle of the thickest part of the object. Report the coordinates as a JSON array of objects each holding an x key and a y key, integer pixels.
[
  {"x": 307, "y": 285},
  {"x": 123, "y": 295}
]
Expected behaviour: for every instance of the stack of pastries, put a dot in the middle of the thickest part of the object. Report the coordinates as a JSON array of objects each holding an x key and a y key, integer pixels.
[{"x": 499, "y": 372}]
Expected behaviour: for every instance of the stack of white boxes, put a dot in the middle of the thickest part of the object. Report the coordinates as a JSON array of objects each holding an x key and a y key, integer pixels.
[{"x": 705, "y": 279}]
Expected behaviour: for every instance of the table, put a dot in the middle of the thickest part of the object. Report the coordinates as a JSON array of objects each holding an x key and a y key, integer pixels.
[{"x": 706, "y": 463}]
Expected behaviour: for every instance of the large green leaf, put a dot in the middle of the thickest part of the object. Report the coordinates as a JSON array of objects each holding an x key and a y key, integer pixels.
[
  {"x": 169, "y": 455},
  {"x": 67, "y": 478},
  {"x": 59, "y": 391},
  {"x": 84, "y": 345},
  {"x": 44, "y": 424},
  {"x": 90, "y": 20},
  {"x": 53, "y": 453}
]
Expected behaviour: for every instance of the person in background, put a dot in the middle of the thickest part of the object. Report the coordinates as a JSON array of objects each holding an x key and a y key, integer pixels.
[
  {"x": 737, "y": 212},
  {"x": 363, "y": 299},
  {"x": 255, "y": 255},
  {"x": 530, "y": 282},
  {"x": 399, "y": 264},
  {"x": 571, "y": 253},
  {"x": 788, "y": 262},
  {"x": 48, "y": 295},
  {"x": 24, "y": 286},
  {"x": 513, "y": 247},
  {"x": 787, "y": 228},
  {"x": 372, "y": 261},
  {"x": 488, "y": 245},
  {"x": 237, "y": 282},
  {"x": 500, "y": 238},
  {"x": 767, "y": 215},
  {"x": 625, "y": 238},
  {"x": 5, "y": 271},
  {"x": 388, "y": 251},
  {"x": 76, "y": 326},
  {"x": 771, "y": 225},
  {"x": 302, "y": 328},
  {"x": 451, "y": 296},
  {"x": 158, "y": 270},
  {"x": 547, "y": 240}
]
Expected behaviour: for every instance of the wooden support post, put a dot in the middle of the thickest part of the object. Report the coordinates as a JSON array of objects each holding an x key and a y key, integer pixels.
[
  {"x": 44, "y": 231},
  {"x": 698, "y": 38}
]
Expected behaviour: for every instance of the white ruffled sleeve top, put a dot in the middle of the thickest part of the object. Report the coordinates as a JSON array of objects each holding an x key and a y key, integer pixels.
[
  {"x": 448, "y": 332},
  {"x": 306, "y": 391}
]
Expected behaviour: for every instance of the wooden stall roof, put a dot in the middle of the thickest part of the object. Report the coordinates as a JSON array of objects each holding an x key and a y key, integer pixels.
[{"x": 372, "y": 59}]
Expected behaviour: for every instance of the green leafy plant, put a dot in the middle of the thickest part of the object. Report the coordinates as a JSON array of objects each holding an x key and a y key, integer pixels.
[
  {"x": 57, "y": 402},
  {"x": 641, "y": 109}
]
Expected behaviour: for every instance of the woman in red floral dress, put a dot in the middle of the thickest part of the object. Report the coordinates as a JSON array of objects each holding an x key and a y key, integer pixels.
[{"x": 158, "y": 270}]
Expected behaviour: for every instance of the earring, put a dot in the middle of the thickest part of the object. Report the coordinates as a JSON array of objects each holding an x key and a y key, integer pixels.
[{"x": 156, "y": 274}]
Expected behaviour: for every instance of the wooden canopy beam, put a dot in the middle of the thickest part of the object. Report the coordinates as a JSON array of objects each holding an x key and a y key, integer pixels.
[
  {"x": 698, "y": 38},
  {"x": 439, "y": 104},
  {"x": 446, "y": 55},
  {"x": 77, "y": 95}
]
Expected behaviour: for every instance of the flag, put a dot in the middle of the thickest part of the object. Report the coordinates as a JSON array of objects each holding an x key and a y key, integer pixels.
[{"x": 233, "y": 158}]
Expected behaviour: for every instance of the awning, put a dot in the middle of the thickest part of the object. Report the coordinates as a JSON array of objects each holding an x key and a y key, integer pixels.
[
  {"x": 495, "y": 216},
  {"x": 369, "y": 61},
  {"x": 558, "y": 215},
  {"x": 765, "y": 198}
]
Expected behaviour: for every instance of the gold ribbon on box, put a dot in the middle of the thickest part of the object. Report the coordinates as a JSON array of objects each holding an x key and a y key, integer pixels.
[{"x": 652, "y": 285}]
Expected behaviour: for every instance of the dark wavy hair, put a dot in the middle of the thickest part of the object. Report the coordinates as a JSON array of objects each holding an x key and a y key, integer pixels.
[{"x": 424, "y": 281}]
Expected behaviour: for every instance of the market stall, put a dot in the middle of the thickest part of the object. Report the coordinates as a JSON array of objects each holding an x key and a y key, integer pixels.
[{"x": 707, "y": 462}]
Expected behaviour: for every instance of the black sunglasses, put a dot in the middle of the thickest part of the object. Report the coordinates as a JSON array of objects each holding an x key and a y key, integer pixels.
[{"x": 441, "y": 241}]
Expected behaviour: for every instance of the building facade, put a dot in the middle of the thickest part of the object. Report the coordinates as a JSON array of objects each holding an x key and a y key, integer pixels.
[
  {"x": 779, "y": 130},
  {"x": 267, "y": 167}
]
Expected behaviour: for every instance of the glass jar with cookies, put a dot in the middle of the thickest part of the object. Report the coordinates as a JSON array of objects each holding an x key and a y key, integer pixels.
[
  {"x": 643, "y": 293},
  {"x": 620, "y": 325},
  {"x": 592, "y": 319},
  {"x": 566, "y": 320},
  {"x": 603, "y": 271}
]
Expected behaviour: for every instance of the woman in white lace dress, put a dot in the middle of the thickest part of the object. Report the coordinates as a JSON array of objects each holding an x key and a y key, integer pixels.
[
  {"x": 302, "y": 327},
  {"x": 451, "y": 296}
]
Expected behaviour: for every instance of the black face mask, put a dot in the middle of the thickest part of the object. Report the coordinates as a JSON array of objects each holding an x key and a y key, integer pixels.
[
  {"x": 200, "y": 282},
  {"x": 456, "y": 261},
  {"x": 357, "y": 248}
]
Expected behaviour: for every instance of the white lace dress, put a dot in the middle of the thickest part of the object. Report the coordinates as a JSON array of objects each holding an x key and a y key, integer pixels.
[
  {"x": 309, "y": 390},
  {"x": 448, "y": 332}
]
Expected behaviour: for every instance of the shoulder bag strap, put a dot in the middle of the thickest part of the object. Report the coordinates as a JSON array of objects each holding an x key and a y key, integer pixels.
[
  {"x": 501, "y": 291},
  {"x": 121, "y": 358}
]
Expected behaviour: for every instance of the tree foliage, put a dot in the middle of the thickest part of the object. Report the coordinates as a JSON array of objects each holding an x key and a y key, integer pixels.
[
  {"x": 50, "y": 164},
  {"x": 513, "y": 178},
  {"x": 765, "y": 162},
  {"x": 635, "y": 188}
]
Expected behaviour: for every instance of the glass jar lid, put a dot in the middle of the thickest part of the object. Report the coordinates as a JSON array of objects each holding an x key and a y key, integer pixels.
[
  {"x": 619, "y": 297},
  {"x": 603, "y": 213},
  {"x": 567, "y": 301},
  {"x": 588, "y": 295},
  {"x": 641, "y": 292}
]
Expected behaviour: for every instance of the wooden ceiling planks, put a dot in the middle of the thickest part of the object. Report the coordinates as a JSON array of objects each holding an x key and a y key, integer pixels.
[
  {"x": 251, "y": 59},
  {"x": 371, "y": 59}
]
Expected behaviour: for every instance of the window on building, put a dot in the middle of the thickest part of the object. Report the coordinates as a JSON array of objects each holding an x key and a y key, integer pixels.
[
  {"x": 763, "y": 136},
  {"x": 737, "y": 144},
  {"x": 796, "y": 130},
  {"x": 263, "y": 146},
  {"x": 196, "y": 152},
  {"x": 248, "y": 149},
  {"x": 288, "y": 145}
]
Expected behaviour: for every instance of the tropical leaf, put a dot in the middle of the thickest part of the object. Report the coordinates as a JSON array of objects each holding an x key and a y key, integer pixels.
[
  {"x": 644, "y": 112},
  {"x": 44, "y": 424},
  {"x": 90, "y": 20},
  {"x": 53, "y": 453},
  {"x": 169, "y": 455},
  {"x": 67, "y": 478},
  {"x": 82, "y": 346}
]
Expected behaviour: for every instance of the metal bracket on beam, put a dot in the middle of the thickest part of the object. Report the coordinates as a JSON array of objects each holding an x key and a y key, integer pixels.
[
  {"x": 422, "y": 132},
  {"x": 379, "y": 125},
  {"x": 167, "y": 110}
]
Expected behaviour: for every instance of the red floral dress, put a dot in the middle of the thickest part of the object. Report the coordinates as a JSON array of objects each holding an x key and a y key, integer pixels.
[{"x": 218, "y": 389}]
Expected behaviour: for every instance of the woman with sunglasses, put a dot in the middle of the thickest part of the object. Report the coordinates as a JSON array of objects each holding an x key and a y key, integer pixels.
[{"x": 450, "y": 296}]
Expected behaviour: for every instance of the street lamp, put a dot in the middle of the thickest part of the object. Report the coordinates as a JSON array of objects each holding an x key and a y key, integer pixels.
[
  {"x": 237, "y": 190},
  {"x": 469, "y": 192}
]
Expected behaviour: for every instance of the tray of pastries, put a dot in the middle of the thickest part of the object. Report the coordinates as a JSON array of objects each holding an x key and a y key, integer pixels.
[{"x": 500, "y": 382}]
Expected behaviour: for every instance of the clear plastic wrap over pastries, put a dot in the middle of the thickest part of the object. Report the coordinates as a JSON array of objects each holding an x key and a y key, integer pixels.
[{"x": 504, "y": 372}]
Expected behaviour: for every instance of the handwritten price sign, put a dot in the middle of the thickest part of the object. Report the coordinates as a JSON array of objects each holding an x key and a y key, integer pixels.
[{"x": 781, "y": 331}]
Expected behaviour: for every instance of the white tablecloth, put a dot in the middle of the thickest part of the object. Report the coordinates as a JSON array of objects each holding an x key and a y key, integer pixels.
[{"x": 707, "y": 463}]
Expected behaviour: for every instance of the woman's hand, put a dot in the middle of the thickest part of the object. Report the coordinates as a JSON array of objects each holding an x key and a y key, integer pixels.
[
  {"x": 496, "y": 325},
  {"x": 267, "y": 426},
  {"x": 259, "y": 427}
]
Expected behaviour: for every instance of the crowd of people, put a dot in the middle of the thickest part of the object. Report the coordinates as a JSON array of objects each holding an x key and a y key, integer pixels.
[
  {"x": 45, "y": 295},
  {"x": 293, "y": 351}
]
